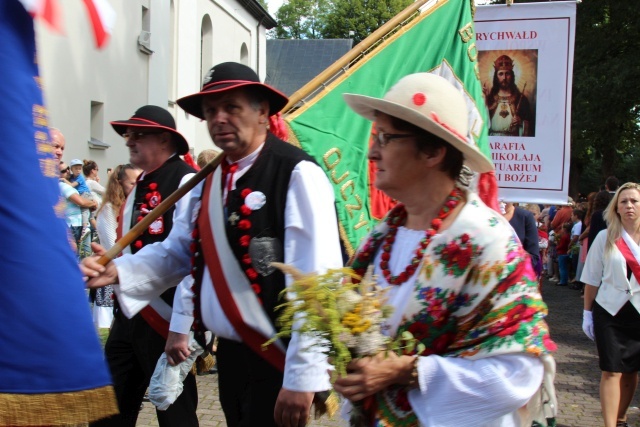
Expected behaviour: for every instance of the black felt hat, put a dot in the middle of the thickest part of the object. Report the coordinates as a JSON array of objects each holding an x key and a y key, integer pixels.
[
  {"x": 227, "y": 76},
  {"x": 152, "y": 116}
]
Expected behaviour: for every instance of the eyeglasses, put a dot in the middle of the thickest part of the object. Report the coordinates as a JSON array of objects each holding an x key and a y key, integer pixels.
[
  {"x": 382, "y": 139},
  {"x": 64, "y": 170},
  {"x": 135, "y": 136}
]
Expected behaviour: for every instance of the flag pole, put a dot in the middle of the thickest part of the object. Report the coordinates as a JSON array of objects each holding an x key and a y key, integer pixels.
[
  {"x": 155, "y": 213},
  {"x": 361, "y": 47}
]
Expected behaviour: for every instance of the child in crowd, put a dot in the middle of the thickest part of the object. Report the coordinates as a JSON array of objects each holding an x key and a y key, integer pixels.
[
  {"x": 562, "y": 249},
  {"x": 78, "y": 182},
  {"x": 574, "y": 246},
  {"x": 552, "y": 256},
  {"x": 543, "y": 244}
]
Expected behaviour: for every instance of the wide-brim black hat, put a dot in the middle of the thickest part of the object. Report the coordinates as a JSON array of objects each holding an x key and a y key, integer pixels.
[
  {"x": 152, "y": 116},
  {"x": 227, "y": 76}
]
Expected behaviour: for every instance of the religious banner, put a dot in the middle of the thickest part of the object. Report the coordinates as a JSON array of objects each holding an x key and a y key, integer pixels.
[
  {"x": 439, "y": 40},
  {"x": 525, "y": 58}
]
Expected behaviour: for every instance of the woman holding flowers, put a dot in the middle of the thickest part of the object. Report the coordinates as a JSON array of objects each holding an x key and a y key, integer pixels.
[{"x": 458, "y": 279}]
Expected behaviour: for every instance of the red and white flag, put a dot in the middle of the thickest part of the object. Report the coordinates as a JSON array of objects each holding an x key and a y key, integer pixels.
[
  {"x": 48, "y": 10},
  {"x": 103, "y": 19},
  {"x": 101, "y": 16}
]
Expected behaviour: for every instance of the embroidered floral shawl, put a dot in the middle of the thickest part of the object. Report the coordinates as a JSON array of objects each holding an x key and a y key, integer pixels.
[{"x": 475, "y": 295}]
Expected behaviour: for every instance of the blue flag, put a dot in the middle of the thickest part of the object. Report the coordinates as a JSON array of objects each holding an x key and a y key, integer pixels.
[{"x": 52, "y": 369}]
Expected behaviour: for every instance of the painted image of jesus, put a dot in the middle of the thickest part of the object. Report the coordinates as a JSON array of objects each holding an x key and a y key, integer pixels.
[{"x": 509, "y": 86}]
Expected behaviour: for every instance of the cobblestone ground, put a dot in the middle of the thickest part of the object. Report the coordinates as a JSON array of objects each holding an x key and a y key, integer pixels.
[{"x": 577, "y": 380}]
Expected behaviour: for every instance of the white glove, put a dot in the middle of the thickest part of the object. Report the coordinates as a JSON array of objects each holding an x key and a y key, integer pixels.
[{"x": 587, "y": 324}]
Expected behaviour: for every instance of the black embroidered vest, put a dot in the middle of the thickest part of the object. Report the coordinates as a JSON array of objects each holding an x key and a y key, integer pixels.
[
  {"x": 163, "y": 181},
  {"x": 269, "y": 175}
]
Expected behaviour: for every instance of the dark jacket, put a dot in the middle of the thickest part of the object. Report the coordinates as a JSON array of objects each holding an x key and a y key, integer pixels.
[{"x": 525, "y": 227}]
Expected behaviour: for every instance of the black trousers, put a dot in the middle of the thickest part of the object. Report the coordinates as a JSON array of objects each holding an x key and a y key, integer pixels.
[
  {"x": 132, "y": 351},
  {"x": 248, "y": 385}
]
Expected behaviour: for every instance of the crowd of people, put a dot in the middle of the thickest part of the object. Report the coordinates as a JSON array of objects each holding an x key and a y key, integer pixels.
[
  {"x": 594, "y": 246},
  {"x": 558, "y": 237},
  {"x": 204, "y": 265},
  {"x": 463, "y": 279}
]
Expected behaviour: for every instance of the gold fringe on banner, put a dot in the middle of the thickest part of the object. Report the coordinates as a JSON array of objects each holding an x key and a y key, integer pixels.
[{"x": 57, "y": 409}]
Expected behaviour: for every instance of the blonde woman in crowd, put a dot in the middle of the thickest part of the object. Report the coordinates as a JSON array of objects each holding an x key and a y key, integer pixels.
[
  {"x": 119, "y": 185},
  {"x": 612, "y": 303}
]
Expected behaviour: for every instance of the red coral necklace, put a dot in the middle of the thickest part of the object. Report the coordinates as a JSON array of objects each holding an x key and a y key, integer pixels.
[{"x": 453, "y": 199}]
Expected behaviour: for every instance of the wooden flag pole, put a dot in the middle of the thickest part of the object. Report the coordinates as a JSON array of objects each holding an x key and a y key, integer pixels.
[
  {"x": 346, "y": 59},
  {"x": 300, "y": 94},
  {"x": 155, "y": 213}
]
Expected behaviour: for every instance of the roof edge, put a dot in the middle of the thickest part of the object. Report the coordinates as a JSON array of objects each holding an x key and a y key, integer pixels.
[{"x": 259, "y": 12}]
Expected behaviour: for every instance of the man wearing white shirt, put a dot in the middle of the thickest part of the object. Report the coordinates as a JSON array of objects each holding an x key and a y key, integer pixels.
[
  {"x": 137, "y": 340},
  {"x": 268, "y": 201}
]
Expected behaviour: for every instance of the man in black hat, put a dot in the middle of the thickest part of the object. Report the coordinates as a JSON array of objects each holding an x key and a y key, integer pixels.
[
  {"x": 269, "y": 201},
  {"x": 135, "y": 344}
]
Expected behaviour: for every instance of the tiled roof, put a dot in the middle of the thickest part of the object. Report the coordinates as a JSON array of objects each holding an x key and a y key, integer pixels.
[{"x": 291, "y": 63}]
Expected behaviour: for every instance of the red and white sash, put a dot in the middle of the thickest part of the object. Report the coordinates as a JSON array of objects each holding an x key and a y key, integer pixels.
[
  {"x": 238, "y": 301},
  {"x": 631, "y": 253},
  {"x": 158, "y": 313}
]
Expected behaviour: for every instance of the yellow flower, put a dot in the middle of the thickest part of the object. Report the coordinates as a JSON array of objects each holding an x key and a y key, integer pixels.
[
  {"x": 351, "y": 319},
  {"x": 363, "y": 326}
]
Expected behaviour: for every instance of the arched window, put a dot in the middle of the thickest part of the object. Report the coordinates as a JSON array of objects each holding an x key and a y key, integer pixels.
[
  {"x": 206, "y": 46},
  {"x": 244, "y": 54}
]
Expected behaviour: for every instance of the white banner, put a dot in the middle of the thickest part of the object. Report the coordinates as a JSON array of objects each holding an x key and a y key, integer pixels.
[{"x": 525, "y": 57}]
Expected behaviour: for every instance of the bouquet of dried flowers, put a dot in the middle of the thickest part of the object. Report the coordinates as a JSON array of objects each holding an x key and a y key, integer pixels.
[{"x": 344, "y": 312}]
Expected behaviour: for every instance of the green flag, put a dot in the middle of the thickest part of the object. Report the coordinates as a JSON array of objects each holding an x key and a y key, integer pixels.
[{"x": 441, "y": 40}]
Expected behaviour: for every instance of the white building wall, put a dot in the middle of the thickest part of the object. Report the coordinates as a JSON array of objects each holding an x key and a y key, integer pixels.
[{"x": 123, "y": 78}]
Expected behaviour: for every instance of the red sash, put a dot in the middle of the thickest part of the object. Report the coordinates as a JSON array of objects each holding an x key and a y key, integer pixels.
[
  {"x": 157, "y": 322},
  {"x": 632, "y": 262},
  {"x": 250, "y": 337}
]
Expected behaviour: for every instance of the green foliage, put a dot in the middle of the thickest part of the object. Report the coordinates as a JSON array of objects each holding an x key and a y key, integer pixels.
[
  {"x": 360, "y": 16},
  {"x": 103, "y": 333},
  {"x": 301, "y": 19},
  {"x": 606, "y": 90},
  {"x": 263, "y": 3},
  {"x": 334, "y": 19}
]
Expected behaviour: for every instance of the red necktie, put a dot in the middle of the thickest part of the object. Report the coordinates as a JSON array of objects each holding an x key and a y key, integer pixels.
[{"x": 228, "y": 170}]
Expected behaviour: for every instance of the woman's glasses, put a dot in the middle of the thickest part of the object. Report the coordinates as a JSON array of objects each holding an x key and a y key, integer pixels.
[{"x": 382, "y": 139}]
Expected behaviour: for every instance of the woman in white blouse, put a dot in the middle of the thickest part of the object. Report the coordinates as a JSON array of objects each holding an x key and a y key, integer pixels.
[
  {"x": 120, "y": 184},
  {"x": 459, "y": 280},
  {"x": 612, "y": 303}
]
